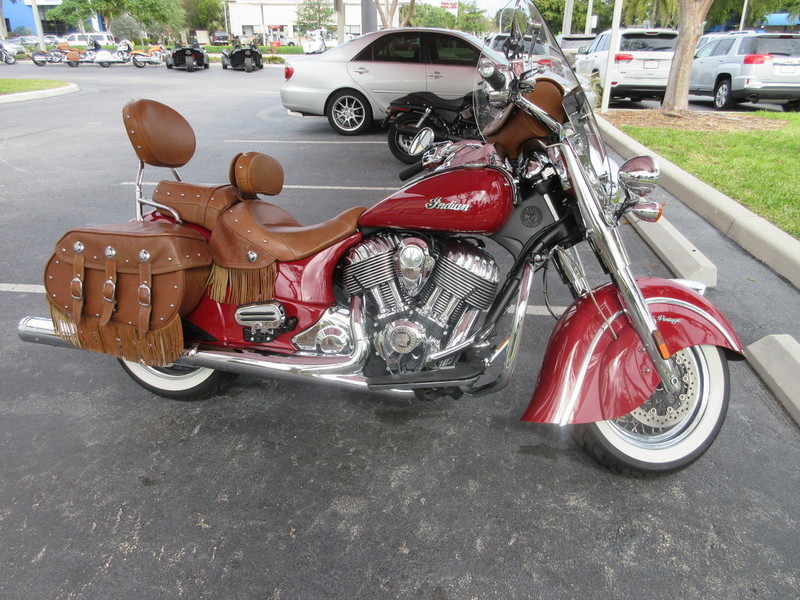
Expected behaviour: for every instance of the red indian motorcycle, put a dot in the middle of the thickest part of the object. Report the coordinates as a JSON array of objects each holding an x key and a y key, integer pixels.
[{"x": 403, "y": 297}]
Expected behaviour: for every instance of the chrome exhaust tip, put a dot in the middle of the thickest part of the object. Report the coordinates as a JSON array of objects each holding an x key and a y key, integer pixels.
[{"x": 40, "y": 330}]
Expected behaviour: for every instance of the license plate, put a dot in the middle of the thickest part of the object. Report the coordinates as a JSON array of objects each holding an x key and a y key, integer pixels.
[
  {"x": 786, "y": 69},
  {"x": 651, "y": 64}
]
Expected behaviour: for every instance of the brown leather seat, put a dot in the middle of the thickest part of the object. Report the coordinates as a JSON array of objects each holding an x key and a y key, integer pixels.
[{"x": 254, "y": 233}]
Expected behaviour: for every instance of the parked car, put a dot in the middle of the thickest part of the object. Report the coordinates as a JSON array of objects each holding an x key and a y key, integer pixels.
[
  {"x": 82, "y": 39},
  {"x": 641, "y": 62},
  {"x": 572, "y": 42},
  {"x": 25, "y": 40},
  {"x": 220, "y": 38},
  {"x": 749, "y": 67},
  {"x": 352, "y": 84}
]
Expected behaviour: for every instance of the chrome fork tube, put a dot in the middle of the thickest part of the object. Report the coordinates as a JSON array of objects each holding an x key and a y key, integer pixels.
[{"x": 611, "y": 252}]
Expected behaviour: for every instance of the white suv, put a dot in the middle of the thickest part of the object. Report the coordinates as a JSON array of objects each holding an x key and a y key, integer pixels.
[
  {"x": 749, "y": 67},
  {"x": 81, "y": 39},
  {"x": 641, "y": 62}
]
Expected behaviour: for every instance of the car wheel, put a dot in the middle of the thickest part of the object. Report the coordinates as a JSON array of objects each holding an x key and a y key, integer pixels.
[
  {"x": 349, "y": 113},
  {"x": 792, "y": 106},
  {"x": 723, "y": 100}
]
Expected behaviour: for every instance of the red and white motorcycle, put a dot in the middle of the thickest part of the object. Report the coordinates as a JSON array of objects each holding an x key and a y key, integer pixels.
[{"x": 403, "y": 297}]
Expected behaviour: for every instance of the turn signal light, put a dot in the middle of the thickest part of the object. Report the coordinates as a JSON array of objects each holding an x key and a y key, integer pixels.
[{"x": 649, "y": 211}]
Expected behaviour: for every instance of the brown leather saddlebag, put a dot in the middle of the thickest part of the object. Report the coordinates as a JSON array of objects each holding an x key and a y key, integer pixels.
[{"x": 121, "y": 289}]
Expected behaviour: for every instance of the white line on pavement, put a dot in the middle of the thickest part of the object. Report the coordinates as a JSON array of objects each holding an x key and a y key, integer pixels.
[{"x": 39, "y": 289}]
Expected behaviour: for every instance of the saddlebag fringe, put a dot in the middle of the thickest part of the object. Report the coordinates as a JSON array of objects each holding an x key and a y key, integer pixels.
[
  {"x": 242, "y": 286},
  {"x": 158, "y": 347}
]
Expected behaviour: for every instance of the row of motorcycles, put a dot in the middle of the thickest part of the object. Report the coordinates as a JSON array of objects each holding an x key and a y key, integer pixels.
[
  {"x": 407, "y": 297},
  {"x": 94, "y": 53},
  {"x": 190, "y": 57}
]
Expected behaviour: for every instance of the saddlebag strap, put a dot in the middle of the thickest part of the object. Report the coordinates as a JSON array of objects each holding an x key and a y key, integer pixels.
[
  {"x": 109, "y": 287},
  {"x": 76, "y": 285},
  {"x": 145, "y": 292}
]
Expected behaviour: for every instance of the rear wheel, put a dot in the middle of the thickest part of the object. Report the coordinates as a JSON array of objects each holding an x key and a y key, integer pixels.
[
  {"x": 723, "y": 99},
  {"x": 178, "y": 382},
  {"x": 349, "y": 113},
  {"x": 9, "y": 58},
  {"x": 792, "y": 106},
  {"x": 73, "y": 63},
  {"x": 105, "y": 64},
  {"x": 248, "y": 64},
  {"x": 668, "y": 432},
  {"x": 399, "y": 142},
  {"x": 137, "y": 62},
  {"x": 189, "y": 63}
]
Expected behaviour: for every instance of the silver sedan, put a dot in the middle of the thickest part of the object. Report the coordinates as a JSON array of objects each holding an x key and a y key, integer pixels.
[{"x": 352, "y": 84}]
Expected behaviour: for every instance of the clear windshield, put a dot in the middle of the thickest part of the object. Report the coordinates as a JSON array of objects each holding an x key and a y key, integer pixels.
[{"x": 526, "y": 46}]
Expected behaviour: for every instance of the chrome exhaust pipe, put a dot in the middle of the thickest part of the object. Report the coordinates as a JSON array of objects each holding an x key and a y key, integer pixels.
[
  {"x": 40, "y": 330},
  {"x": 337, "y": 371}
]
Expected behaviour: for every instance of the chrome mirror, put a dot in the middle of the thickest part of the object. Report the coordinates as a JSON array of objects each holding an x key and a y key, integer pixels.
[
  {"x": 639, "y": 175},
  {"x": 422, "y": 141}
]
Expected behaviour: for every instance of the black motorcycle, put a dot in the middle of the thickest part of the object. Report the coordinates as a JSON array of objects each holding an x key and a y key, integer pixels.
[
  {"x": 187, "y": 57},
  {"x": 243, "y": 58},
  {"x": 449, "y": 119}
]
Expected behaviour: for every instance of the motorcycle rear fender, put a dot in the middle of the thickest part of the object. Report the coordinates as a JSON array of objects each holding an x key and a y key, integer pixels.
[{"x": 595, "y": 368}]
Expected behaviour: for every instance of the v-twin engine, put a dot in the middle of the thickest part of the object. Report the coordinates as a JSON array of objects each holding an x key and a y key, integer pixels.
[{"x": 420, "y": 297}]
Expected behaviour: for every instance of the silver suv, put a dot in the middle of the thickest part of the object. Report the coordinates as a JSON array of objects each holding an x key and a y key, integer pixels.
[{"x": 749, "y": 67}]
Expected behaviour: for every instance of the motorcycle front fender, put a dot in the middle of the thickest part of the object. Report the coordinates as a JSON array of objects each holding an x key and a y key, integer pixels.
[{"x": 595, "y": 367}]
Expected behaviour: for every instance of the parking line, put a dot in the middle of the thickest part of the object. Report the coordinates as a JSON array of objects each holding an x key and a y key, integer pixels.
[
  {"x": 382, "y": 142},
  {"x": 539, "y": 311},
  {"x": 298, "y": 187}
]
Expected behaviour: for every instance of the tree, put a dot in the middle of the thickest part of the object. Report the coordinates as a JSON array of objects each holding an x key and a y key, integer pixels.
[
  {"x": 427, "y": 15},
  {"x": 472, "y": 19},
  {"x": 315, "y": 14},
  {"x": 72, "y": 12},
  {"x": 203, "y": 14},
  {"x": 660, "y": 13},
  {"x": 692, "y": 14}
]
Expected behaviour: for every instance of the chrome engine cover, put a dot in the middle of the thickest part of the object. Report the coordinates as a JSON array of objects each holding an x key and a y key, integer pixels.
[{"x": 419, "y": 301}]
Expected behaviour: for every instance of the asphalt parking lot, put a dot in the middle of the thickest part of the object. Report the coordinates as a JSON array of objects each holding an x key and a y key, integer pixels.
[{"x": 283, "y": 491}]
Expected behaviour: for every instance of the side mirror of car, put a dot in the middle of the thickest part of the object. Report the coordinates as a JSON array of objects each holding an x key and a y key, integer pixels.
[{"x": 583, "y": 50}]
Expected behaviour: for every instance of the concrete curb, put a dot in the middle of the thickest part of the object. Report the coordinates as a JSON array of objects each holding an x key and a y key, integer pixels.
[
  {"x": 776, "y": 358},
  {"x": 757, "y": 236},
  {"x": 22, "y": 96},
  {"x": 675, "y": 251}
]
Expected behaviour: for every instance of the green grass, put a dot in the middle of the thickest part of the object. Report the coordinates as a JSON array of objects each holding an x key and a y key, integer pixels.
[
  {"x": 13, "y": 86},
  {"x": 757, "y": 168}
]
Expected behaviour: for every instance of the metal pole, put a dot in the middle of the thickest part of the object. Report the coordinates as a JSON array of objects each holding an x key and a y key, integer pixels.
[
  {"x": 612, "y": 46},
  {"x": 588, "y": 27},
  {"x": 744, "y": 15},
  {"x": 38, "y": 21},
  {"x": 566, "y": 27}
]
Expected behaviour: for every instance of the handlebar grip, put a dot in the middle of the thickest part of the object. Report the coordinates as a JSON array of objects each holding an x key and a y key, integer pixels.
[
  {"x": 409, "y": 172},
  {"x": 497, "y": 79}
]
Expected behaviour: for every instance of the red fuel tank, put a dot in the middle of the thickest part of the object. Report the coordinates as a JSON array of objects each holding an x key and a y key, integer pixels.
[{"x": 478, "y": 200}]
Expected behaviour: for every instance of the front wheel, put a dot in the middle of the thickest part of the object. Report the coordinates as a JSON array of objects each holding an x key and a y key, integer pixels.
[
  {"x": 137, "y": 62},
  {"x": 399, "y": 143},
  {"x": 39, "y": 59},
  {"x": 178, "y": 382},
  {"x": 667, "y": 432},
  {"x": 104, "y": 64},
  {"x": 349, "y": 113}
]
